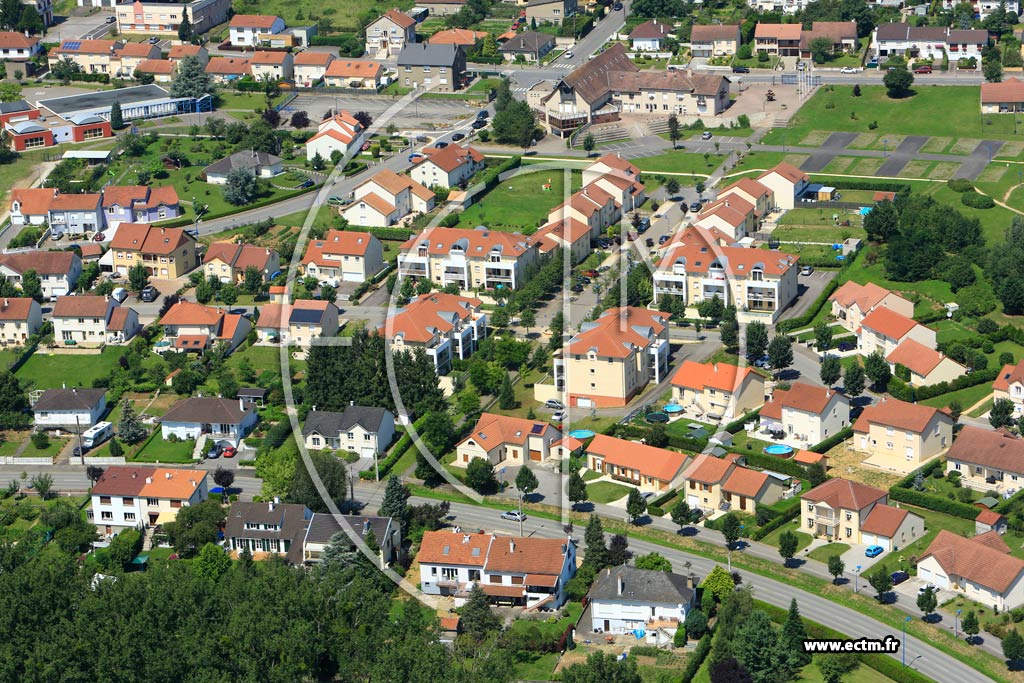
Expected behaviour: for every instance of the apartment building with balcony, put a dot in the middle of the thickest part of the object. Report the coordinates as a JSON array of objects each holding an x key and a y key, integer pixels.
[
  {"x": 164, "y": 18},
  {"x": 613, "y": 358},
  {"x": 901, "y": 436},
  {"x": 445, "y": 326},
  {"x": 644, "y": 467},
  {"x": 760, "y": 284},
  {"x": 806, "y": 414},
  {"x": 129, "y": 497},
  {"x": 389, "y": 33},
  {"x": 471, "y": 258},
  {"x": 343, "y": 256},
  {"x": 854, "y": 513},
  {"x": 717, "y": 390},
  {"x": 987, "y": 460}
]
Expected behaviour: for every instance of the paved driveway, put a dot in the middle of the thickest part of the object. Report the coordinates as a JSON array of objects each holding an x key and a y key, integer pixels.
[
  {"x": 810, "y": 288},
  {"x": 422, "y": 112},
  {"x": 88, "y": 27}
]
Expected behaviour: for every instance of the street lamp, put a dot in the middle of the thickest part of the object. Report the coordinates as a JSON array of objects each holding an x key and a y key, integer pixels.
[
  {"x": 904, "y": 648},
  {"x": 885, "y": 148},
  {"x": 856, "y": 579},
  {"x": 956, "y": 624}
]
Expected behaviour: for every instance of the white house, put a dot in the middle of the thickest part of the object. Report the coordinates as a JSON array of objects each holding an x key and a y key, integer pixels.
[
  {"x": 980, "y": 568},
  {"x": 261, "y": 164},
  {"x": 20, "y": 318},
  {"x": 883, "y": 329},
  {"x": 135, "y": 497},
  {"x": 387, "y": 533},
  {"x": 74, "y": 409},
  {"x": 17, "y": 47},
  {"x": 624, "y": 599},
  {"x": 93, "y": 320},
  {"x": 386, "y": 198},
  {"x": 363, "y": 430},
  {"x": 787, "y": 182},
  {"x": 648, "y": 36},
  {"x": 272, "y": 65},
  {"x": 220, "y": 419},
  {"x": 448, "y": 167},
  {"x": 58, "y": 271},
  {"x": 806, "y": 414},
  {"x": 339, "y": 133},
  {"x": 343, "y": 256},
  {"x": 245, "y": 28}
]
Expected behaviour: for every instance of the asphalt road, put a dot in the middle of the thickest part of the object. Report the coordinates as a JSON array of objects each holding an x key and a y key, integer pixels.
[{"x": 72, "y": 479}]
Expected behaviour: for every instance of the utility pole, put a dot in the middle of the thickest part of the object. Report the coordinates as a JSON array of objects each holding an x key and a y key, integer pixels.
[{"x": 78, "y": 428}]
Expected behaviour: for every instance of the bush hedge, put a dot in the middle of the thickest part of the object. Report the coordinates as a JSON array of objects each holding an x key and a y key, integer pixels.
[
  {"x": 905, "y": 392},
  {"x": 697, "y": 658},
  {"x": 736, "y": 426},
  {"x": 397, "y": 452},
  {"x": 777, "y": 522},
  {"x": 489, "y": 176},
  {"x": 960, "y": 185},
  {"x": 352, "y": 168},
  {"x": 832, "y": 441},
  {"x": 812, "y": 312},
  {"x": 876, "y": 185},
  {"x": 393, "y": 234},
  {"x": 976, "y": 200},
  {"x": 931, "y": 501},
  {"x": 769, "y": 462}
]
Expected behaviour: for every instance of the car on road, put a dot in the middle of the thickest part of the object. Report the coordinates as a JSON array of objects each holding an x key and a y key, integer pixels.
[
  {"x": 458, "y": 136},
  {"x": 513, "y": 516},
  {"x": 111, "y": 20},
  {"x": 874, "y": 550},
  {"x": 558, "y": 416},
  {"x": 478, "y": 124},
  {"x": 801, "y": 66},
  {"x": 695, "y": 207},
  {"x": 741, "y": 69},
  {"x": 923, "y": 69},
  {"x": 76, "y": 452},
  {"x": 706, "y": 135},
  {"x": 483, "y": 114},
  {"x": 553, "y": 404},
  {"x": 416, "y": 156},
  {"x": 98, "y": 237},
  {"x": 807, "y": 270},
  {"x": 149, "y": 294},
  {"x": 569, "y": 54},
  {"x": 440, "y": 145},
  {"x": 848, "y": 70},
  {"x": 663, "y": 239},
  {"x": 899, "y": 577}
]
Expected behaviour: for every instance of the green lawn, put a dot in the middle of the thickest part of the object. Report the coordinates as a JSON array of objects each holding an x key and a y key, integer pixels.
[
  {"x": 162, "y": 451},
  {"x": 679, "y": 161},
  {"x": 520, "y": 204},
  {"x": 533, "y": 666},
  {"x": 605, "y": 492},
  {"x": 49, "y": 371},
  {"x": 591, "y": 475},
  {"x": 965, "y": 397},
  {"x": 245, "y": 100},
  {"x": 933, "y": 522},
  {"x": 803, "y": 539},
  {"x": 762, "y": 161},
  {"x": 822, "y": 553}
]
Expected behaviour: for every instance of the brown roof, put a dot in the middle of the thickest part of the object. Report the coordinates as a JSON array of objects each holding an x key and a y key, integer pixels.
[
  {"x": 527, "y": 555},
  {"x": 674, "y": 81},
  {"x": 1000, "y": 450},
  {"x": 266, "y": 57},
  {"x": 118, "y": 318},
  {"x": 748, "y": 186},
  {"x": 429, "y": 314},
  {"x": 590, "y": 81},
  {"x": 808, "y": 398},
  {"x": 206, "y": 409},
  {"x": 136, "y": 50},
  {"x": 889, "y": 323},
  {"x": 989, "y": 517},
  {"x": 916, "y": 357},
  {"x": 394, "y": 184},
  {"x": 618, "y": 332},
  {"x": 452, "y": 157},
  {"x": 238, "y": 256},
  {"x": 704, "y": 33},
  {"x": 475, "y": 242},
  {"x": 190, "y": 313},
  {"x": 808, "y": 457},
  {"x": 75, "y": 202},
  {"x": 975, "y": 561},
  {"x": 182, "y": 51},
  {"x": 883, "y": 520},
  {"x": 652, "y": 28},
  {"x": 836, "y": 31},
  {"x": 227, "y": 65},
  {"x": 447, "y": 547},
  {"x": 34, "y": 201},
  {"x": 145, "y": 238},
  {"x": 43, "y": 262},
  {"x": 312, "y": 58},
  {"x": 81, "y": 307},
  {"x": 12, "y": 40},
  {"x": 492, "y": 430},
  {"x": 15, "y": 308},
  {"x": 90, "y": 47},
  {"x": 745, "y": 482},
  {"x": 787, "y": 171},
  {"x": 778, "y": 31},
  {"x": 1009, "y": 375},
  {"x": 844, "y": 494},
  {"x": 337, "y": 242},
  {"x": 721, "y": 376},
  {"x": 891, "y": 412},
  {"x": 617, "y": 162},
  {"x": 457, "y": 36},
  {"x": 697, "y": 248},
  {"x": 657, "y": 463},
  {"x": 866, "y": 297},
  {"x": 1010, "y": 90},
  {"x": 156, "y": 66},
  {"x": 707, "y": 469},
  {"x": 354, "y": 68},
  {"x": 400, "y": 18},
  {"x": 265, "y": 21},
  {"x": 149, "y": 482},
  {"x": 91, "y": 250}
]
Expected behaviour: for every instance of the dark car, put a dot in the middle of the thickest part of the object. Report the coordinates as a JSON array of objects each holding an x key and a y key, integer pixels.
[
  {"x": 695, "y": 206},
  {"x": 649, "y": 241},
  {"x": 306, "y": 183},
  {"x": 899, "y": 577},
  {"x": 846, "y": 346},
  {"x": 478, "y": 124},
  {"x": 741, "y": 69},
  {"x": 482, "y": 114},
  {"x": 577, "y": 288},
  {"x": 213, "y": 453},
  {"x": 440, "y": 145},
  {"x": 663, "y": 239},
  {"x": 149, "y": 294},
  {"x": 618, "y": 7},
  {"x": 458, "y": 136}
]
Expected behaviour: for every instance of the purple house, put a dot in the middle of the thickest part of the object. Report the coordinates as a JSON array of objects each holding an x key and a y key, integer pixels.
[{"x": 139, "y": 204}]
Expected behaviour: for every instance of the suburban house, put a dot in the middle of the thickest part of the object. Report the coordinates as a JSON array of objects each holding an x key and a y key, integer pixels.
[
  {"x": 625, "y": 599},
  {"x": 565, "y": 233},
  {"x": 93, "y": 321},
  {"x": 901, "y": 436},
  {"x": 842, "y": 35},
  {"x": 697, "y": 268},
  {"x": 245, "y": 30},
  {"x": 166, "y": 253},
  {"x": 224, "y": 70},
  {"x": 778, "y": 39},
  {"x": 551, "y": 11},
  {"x": 260, "y": 164},
  {"x": 718, "y": 484},
  {"x": 851, "y": 512},
  {"x": 928, "y": 42},
  {"x": 527, "y": 571},
  {"x": 19, "y": 319},
  {"x": 389, "y": 34},
  {"x": 17, "y": 47},
  {"x": 180, "y": 52},
  {"x": 786, "y": 181},
  {"x": 759, "y": 196},
  {"x": 715, "y": 40},
  {"x": 924, "y": 365},
  {"x": 194, "y": 327},
  {"x": 229, "y": 261},
  {"x": 76, "y": 214},
  {"x": 592, "y": 205},
  {"x": 386, "y": 198},
  {"x": 528, "y": 46},
  {"x": 444, "y": 325},
  {"x": 366, "y": 431},
  {"x": 310, "y": 66},
  {"x": 464, "y": 37},
  {"x": 980, "y": 568},
  {"x": 162, "y": 18},
  {"x": 613, "y": 358},
  {"x": 354, "y": 73},
  {"x": 339, "y": 133},
  {"x": 273, "y": 65},
  {"x": 452, "y": 166},
  {"x": 987, "y": 460},
  {"x": 297, "y": 323},
  {"x": 222, "y": 420},
  {"x": 471, "y": 258},
  {"x": 806, "y": 414},
  {"x": 129, "y": 56},
  {"x": 439, "y": 68},
  {"x": 73, "y": 410},
  {"x": 731, "y": 215},
  {"x": 58, "y": 271},
  {"x": 717, "y": 389},
  {"x": 139, "y": 204},
  {"x": 669, "y": 92},
  {"x": 264, "y": 529},
  {"x": 387, "y": 534},
  {"x": 646, "y": 467},
  {"x": 91, "y": 56},
  {"x": 1009, "y": 383},
  {"x": 1004, "y": 97},
  {"x": 504, "y": 440},
  {"x": 132, "y": 497},
  {"x": 884, "y": 329},
  {"x": 343, "y": 256},
  {"x": 649, "y": 36},
  {"x": 442, "y": 8},
  {"x": 853, "y": 301}
]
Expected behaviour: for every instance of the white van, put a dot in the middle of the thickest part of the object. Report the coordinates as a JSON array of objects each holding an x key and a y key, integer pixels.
[
  {"x": 97, "y": 434},
  {"x": 119, "y": 294}
]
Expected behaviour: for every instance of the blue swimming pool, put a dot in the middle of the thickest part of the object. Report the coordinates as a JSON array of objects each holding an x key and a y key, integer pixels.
[
  {"x": 778, "y": 449},
  {"x": 673, "y": 408},
  {"x": 581, "y": 434}
]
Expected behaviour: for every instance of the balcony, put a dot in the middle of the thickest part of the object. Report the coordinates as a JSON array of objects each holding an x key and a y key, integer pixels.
[
  {"x": 412, "y": 270},
  {"x": 826, "y": 520}
]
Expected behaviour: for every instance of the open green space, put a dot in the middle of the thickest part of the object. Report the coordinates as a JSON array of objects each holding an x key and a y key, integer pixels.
[
  {"x": 752, "y": 161},
  {"x": 331, "y": 17},
  {"x": 50, "y": 371},
  {"x": 159, "y": 450},
  {"x": 679, "y": 161},
  {"x": 521, "y": 203},
  {"x": 247, "y": 101},
  {"x": 823, "y": 552},
  {"x": 965, "y": 397},
  {"x": 603, "y": 492},
  {"x": 803, "y": 539}
]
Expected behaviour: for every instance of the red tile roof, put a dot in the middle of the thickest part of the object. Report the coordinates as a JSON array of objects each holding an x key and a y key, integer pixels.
[
  {"x": 989, "y": 517},
  {"x": 844, "y": 494},
  {"x": 189, "y": 313},
  {"x": 15, "y": 308},
  {"x": 1009, "y": 90},
  {"x": 156, "y": 66},
  {"x": 527, "y": 555},
  {"x": 883, "y": 520},
  {"x": 493, "y": 430},
  {"x": 707, "y": 33},
  {"x": 658, "y": 463},
  {"x": 33, "y": 201},
  {"x": 43, "y": 262},
  {"x": 457, "y": 36},
  {"x": 778, "y": 31},
  {"x": 891, "y": 412},
  {"x": 150, "y": 482},
  {"x": 338, "y": 243},
  {"x": 889, "y": 323},
  {"x": 866, "y": 297},
  {"x": 707, "y": 469},
  {"x": 786, "y": 170},
  {"x": 452, "y": 157},
  {"x": 231, "y": 66},
  {"x": 801, "y": 396},
  {"x": 400, "y": 18},
  {"x": 263, "y": 21},
  {"x": 313, "y": 58},
  {"x": 618, "y": 332},
  {"x": 12, "y": 40},
  {"x": 136, "y": 50},
  {"x": 354, "y": 68},
  {"x": 266, "y": 57},
  {"x": 652, "y": 28},
  {"x": 975, "y": 561},
  {"x": 1010, "y": 374},
  {"x": 745, "y": 482},
  {"x": 447, "y": 547},
  {"x": 144, "y": 238},
  {"x": 697, "y": 249},
  {"x": 721, "y": 376},
  {"x": 1000, "y": 449},
  {"x": 917, "y": 357},
  {"x": 475, "y": 243},
  {"x": 81, "y": 306},
  {"x": 429, "y": 314}
]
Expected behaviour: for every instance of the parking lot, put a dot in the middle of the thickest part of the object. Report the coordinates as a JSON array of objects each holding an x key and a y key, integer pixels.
[{"x": 423, "y": 113}]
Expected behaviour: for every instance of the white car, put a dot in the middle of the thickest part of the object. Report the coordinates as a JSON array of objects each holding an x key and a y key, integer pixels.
[
  {"x": 568, "y": 54},
  {"x": 848, "y": 70}
]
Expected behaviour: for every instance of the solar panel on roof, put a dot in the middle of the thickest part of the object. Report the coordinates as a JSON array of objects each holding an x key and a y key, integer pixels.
[
  {"x": 72, "y": 45},
  {"x": 537, "y": 428}
]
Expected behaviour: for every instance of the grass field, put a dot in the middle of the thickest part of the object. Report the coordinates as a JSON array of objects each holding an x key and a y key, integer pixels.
[
  {"x": 803, "y": 539},
  {"x": 520, "y": 204},
  {"x": 162, "y": 451},
  {"x": 343, "y": 16},
  {"x": 822, "y": 553},
  {"x": 50, "y": 371},
  {"x": 679, "y": 161},
  {"x": 605, "y": 492}
]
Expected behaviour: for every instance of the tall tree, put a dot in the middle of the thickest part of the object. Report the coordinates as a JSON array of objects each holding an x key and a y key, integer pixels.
[
  {"x": 788, "y": 543},
  {"x": 926, "y": 601},
  {"x": 603, "y": 668},
  {"x": 730, "y": 528},
  {"x": 526, "y": 481},
  {"x": 394, "y": 504},
  {"x": 211, "y": 563},
  {"x": 729, "y": 328},
  {"x": 576, "y": 489},
  {"x": 130, "y": 428},
  {"x": 138, "y": 277},
  {"x": 476, "y": 619},
  {"x": 653, "y": 561},
  {"x": 877, "y": 370},
  {"x": 480, "y": 476},
  {"x": 970, "y": 626},
  {"x": 618, "y": 550},
  {"x": 673, "y": 130},
  {"x": 1013, "y": 646},
  {"x": 116, "y": 116},
  {"x": 191, "y": 79},
  {"x": 780, "y": 353},
  {"x": 596, "y": 553},
  {"x": 836, "y": 567},
  {"x": 757, "y": 647},
  {"x": 185, "y": 28},
  {"x": 756, "y": 339},
  {"x": 853, "y": 380},
  {"x": 831, "y": 370},
  {"x": 31, "y": 285},
  {"x": 681, "y": 513},
  {"x": 881, "y": 582},
  {"x": 791, "y": 642},
  {"x": 898, "y": 82},
  {"x": 506, "y": 396},
  {"x": 1001, "y": 414},
  {"x": 729, "y": 670},
  {"x": 224, "y": 478},
  {"x": 14, "y": 403},
  {"x": 241, "y": 187},
  {"x": 636, "y": 505},
  {"x": 823, "y": 336},
  {"x": 557, "y": 328}
]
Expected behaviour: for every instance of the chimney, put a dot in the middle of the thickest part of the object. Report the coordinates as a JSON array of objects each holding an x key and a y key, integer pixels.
[
  {"x": 465, "y": 538},
  {"x": 167, "y": 475},
  {"x": 136, "y": 474},
  {"x": 366, "y": 526},
  {"x": 352, "y": 403},
  {"x": 619, "y": 586},
  {"x": 270, "y": 506},
  {"x": 511, "y": 545},
  {"x": 149, "y": 480},
  {"x": 277, "y": 500}
]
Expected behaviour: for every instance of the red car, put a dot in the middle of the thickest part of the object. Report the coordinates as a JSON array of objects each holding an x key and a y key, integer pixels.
[
  {"x": 229, "y": 452},
  {"x": 98, "y": 237}
]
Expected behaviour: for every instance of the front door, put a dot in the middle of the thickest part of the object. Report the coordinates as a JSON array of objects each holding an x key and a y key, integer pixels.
[
  {"x": 607, "y": 626},
  {"x": 153, "y": 517}
]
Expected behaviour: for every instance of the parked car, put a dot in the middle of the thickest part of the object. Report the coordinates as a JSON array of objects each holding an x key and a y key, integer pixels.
[
  {"x": 925, "y": 587},
  {"x": 513, "y": 516},
  {"x": 741, "y": 69},
  {"x": 440, "y": 145},
  {"x": 848, "y": 70},
  {"x": 458, "y": 136},
  {"x": 416, "y": 156},
  {"x": 111, "y": 20},
  {"x": 801, "y": 66},
  {"x": 482, "y": 114},
  {"x": 558, "y": 416},
  {"x": 695, "y": 206},
  {"x": 923, "y": 69},
  {"x": 590, "y": 273},
  {"x": 663, "y": 239},
  {"x": 98, "y": 237},
  {"x": 649, "y": 241},
  {"x": 874, "y": 550},
  {"x": 149, "y": 294},
  {"x": 229, "y": 451},
  {"x": 154, "y": 40},
  {"x": 899, "y": 577},
  {"x": 478, "y": 124},
  {"x": 213, "y": 452},
  {"x": 845, "y": 346},
  {"x": 807, "y": 270},
  {"x": 706, "y": 135},
  {"x": 618, "y": 7},
  {"x": 56, "y": 235},
  {"x": 553, "y": 404}
]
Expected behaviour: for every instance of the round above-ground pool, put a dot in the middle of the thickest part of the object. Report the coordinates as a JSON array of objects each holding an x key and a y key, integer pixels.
[
  {"x": 778, "y": 449},
  {"x": 581, "y": 434},
  {"x": 672, "y": 408},
  {"x": 656, "y": 417}
]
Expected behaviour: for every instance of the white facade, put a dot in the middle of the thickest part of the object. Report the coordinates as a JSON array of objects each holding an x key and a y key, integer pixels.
[
  {"x": 78, "y": 418},
  {"x": 218, "y": 432},
  {"x": 247, "y": 36}
]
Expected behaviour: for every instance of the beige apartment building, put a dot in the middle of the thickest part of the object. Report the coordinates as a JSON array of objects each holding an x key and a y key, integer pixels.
[
  {"x": 717, "y": 389},
  {"x": 900, "y": 436},
  {"x": 987, "y": 460},
  {"x": 167, "y": 253},
  {"x": 502, "y": 440},
  {"x": 157, "y": 18},
  {"x": 471, "y": 258},
  {"x": 715, "y": 485},
  {"x": 807, "y": 414},
  {"x": 853, "y": 301},
  {"x": 20, "y": 318},
  {"x": 884, "y": 329},
  {"x": 445, "y": 326},
  {"x": 613, "y": 358}
]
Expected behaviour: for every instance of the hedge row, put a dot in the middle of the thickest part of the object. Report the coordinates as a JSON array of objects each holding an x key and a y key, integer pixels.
[
  {"x": 859, "y": 184},
  {"x": 925, "y": 471},
  {"x": 832, "y": 441},
  {"x": 960, "y": 185},
  {"x": 976, "y": 200},
  {"x": 931, "y": 501},
  {"x": 663, "y": 498},
  {"x": 366, "y": 284},
  {"x": 397, "y": 452},
  {"x": 771, "y": 526},
  {"x": 489, "y": 177},
  {"x": 694, "y": 661},
  {"x": 806, "y": 319},
  {"x": 912, "y": 394},
  {"x": 736, "y": 426},
  {"x": 769, "y": 462},
  {"x": 393, "y": 234},
  {"x": 353, "y": 168}
]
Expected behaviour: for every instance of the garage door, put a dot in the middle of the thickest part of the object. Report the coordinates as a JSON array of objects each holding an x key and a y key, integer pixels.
[
  {"x": 872, "y": 539},
  {"x": 352, "y": 277},
  {"x": 535, "y": 456},
  {"x": 692, "y": 501},
  {"x": 584, "y": 402},
  {"x": 366, "y": 451}
]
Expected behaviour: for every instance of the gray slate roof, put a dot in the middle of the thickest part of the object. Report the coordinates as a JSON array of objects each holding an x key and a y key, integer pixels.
[
  {"x": 528, "y": 41},
  {"x": 14, "y": 107},
  {"x": 328, "y": 423},
  {"x": 207, "y": 410},
  {"x": 644, "y": 585},
  {"x": 69, "y": 399},
  {"x": 426, "y": 54},
  {"x": 243, "y": 159},
  {"x": 323, "y": 526},
  {"x": 291, "y": 518}
]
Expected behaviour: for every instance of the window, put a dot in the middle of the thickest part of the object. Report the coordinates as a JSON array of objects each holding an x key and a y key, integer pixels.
[
  {"x": 152, "y": 502},
  {"x": 129, "y": 516},
  {"x": 888, "y": 445},
  {"x": 956, "y": 466},
  {"x": 849, "y": 516},
  {"x": 127, "y": 501},
  {"x": 350, "y": 436},
  {"x": 107, "y": 515},
  {"x": 849, "y": 532},
  {"x": 810, "y": 507},
  {"x": 889, "y": 431},
  {"x": 315, "y": 440},
  {"x": 104, "y": 500}
]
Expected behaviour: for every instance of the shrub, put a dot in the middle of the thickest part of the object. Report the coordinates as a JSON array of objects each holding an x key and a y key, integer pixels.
[
  {"x": 933, "y": 502},
  {"x": 960, "y": 185},
  {"x": 977, "y": 201}
]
